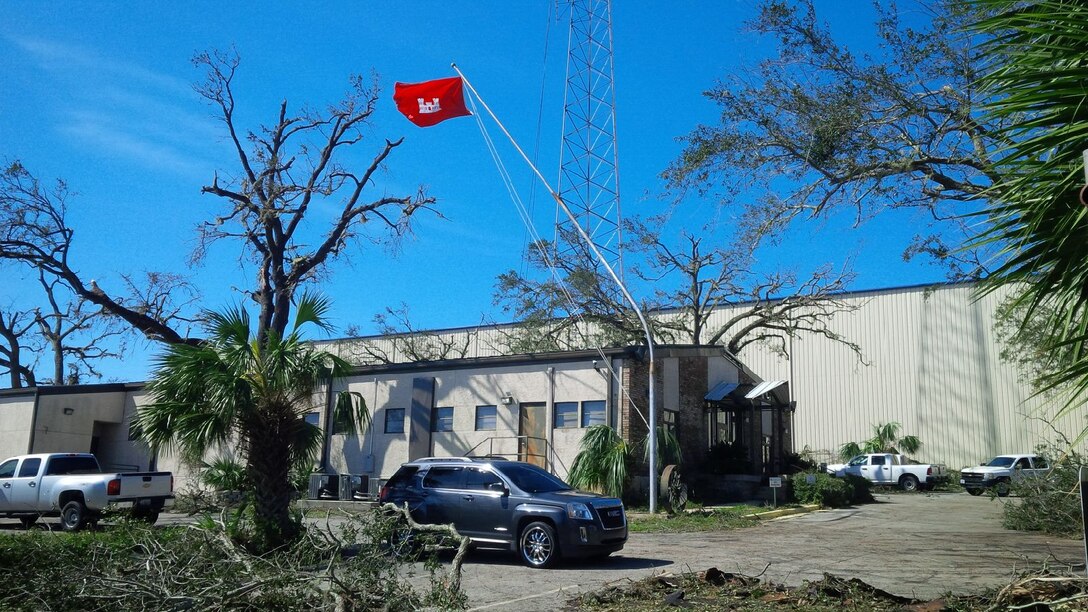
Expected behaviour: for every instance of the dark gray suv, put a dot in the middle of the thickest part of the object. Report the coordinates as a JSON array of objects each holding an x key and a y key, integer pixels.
[{"x": 512, "y": 504}]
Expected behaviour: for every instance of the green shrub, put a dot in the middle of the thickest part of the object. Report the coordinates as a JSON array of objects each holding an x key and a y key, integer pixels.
[
  {"x": 861, "y": 490},
  {"x": 1050, "y": 504},
  {"x": 825, "y": 490},
  {"x": 830, "y": 491}
]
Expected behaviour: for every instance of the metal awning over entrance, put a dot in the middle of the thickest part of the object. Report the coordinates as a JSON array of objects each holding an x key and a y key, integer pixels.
[{"x": 772, "y": 391}]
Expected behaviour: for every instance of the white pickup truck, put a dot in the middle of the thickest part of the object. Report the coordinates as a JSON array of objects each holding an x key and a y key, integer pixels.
[
  {"x": 890, "y": 469},
  {"x": 72, "y": 486},
  {"x": 1000, "y": 472}
]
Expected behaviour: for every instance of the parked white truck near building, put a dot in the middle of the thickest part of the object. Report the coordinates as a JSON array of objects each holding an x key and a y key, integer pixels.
[
  {"x": 73, "y": 487},
  {"x": 890, "y": 469},
  {"x": 1001, "y": 471}
]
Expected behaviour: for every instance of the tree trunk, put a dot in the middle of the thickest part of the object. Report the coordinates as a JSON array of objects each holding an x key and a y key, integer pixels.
[{"x": 269, "y": 467}]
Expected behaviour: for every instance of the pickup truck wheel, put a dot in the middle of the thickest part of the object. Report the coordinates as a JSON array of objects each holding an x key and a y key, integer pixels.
[
  {"x": 73, "y": 516},
  {"x": 538, "y": 546},
  {"x": 28, "y": 521},
  {"x": 1002, "y": 488},
  {"x": 909, "y": 482},
  {"x": 975, "y": 492}
]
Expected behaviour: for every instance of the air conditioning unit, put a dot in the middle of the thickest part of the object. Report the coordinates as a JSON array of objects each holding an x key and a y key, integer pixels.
[
  {"x": 324, "y": 486},
  {"x": 354, "y": 487}
]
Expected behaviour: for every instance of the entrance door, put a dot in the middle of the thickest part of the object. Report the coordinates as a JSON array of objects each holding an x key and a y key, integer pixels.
[{"x": 533, "y": 433}]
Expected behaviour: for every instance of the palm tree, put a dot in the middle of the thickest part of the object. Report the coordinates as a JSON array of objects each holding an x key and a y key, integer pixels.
[
  {"x": 1034, "y": 84},
  {"x": 236, "y": 390},
  {"x": 886, "y": 439},
  {"x": 601, "y": 462}
]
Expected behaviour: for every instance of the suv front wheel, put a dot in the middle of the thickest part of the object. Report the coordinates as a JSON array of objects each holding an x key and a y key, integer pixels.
[{"x": 538, "y": 546}]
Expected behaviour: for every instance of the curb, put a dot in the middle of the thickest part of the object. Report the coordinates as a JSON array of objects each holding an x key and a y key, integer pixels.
[{"x": 773, "y": 514}]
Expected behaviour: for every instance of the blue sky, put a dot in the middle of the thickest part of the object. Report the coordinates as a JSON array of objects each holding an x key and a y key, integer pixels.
[{"x": 100, "y": 94}]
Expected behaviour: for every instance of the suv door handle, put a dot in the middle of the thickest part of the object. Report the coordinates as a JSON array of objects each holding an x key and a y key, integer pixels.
[
  {"x": 7, "y": 485},
  {"x": 467, "y": 497},
  {"x": 31, "y": 484}
]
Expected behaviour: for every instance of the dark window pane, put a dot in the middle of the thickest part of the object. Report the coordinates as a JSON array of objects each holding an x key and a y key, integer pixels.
[
  {"x": 442, "y": 419},
  {"x": 394, "y": 420},
  {"x": 480, "y": 479},
  {"x": 593, "y": 413},
  {"x": 7, "y": 469},
  {"x": 313, "y": 418},
  {"x": 29, "y": 467},
  {"x": 485, "y": 418},
  {"x": 72, "y": 465},
  {"x": 566, "y": 415},
  {"x": 444, "y": 478}
]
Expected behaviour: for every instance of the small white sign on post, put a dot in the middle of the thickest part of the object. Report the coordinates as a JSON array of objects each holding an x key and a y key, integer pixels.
[{"x": 775, "y": 482}]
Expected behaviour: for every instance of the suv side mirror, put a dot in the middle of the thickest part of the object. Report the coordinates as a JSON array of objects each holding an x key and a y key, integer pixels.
[{"x": 498, "y": 486}]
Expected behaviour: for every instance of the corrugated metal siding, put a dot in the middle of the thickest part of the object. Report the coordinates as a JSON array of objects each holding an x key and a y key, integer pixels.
[{"x": 932, "y": 364}]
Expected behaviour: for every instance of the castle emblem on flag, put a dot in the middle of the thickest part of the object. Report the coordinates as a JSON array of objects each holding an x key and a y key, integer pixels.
[
  {"x": 429, "y": 107},
  {"x": 430, "y": 102}
]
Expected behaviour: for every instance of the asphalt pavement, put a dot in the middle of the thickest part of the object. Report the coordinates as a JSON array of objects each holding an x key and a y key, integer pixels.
[{"x": 914, "y": 545}]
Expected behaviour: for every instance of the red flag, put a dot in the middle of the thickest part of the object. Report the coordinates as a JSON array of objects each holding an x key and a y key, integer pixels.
[{"x": 430, "y": 102}]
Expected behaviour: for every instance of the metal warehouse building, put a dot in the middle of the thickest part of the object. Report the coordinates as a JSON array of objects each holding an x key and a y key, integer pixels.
[{"x": 930, "y": 362}]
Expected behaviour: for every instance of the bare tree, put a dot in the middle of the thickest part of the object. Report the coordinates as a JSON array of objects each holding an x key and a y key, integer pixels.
[
  {"x": 15, "y": 326},
  {"x": 284, "y": 169},
  {"x": 764, "y": 309},
  {"x": 35, "y": 232},
  {"x": 403, "y": 342},
  {"x": 77, "y": 333}
]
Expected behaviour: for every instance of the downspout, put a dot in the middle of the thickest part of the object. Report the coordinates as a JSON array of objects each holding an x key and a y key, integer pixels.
[
  {"x": 326, "y": 436},
  {"x": 550, "y": 428},
  {"x": 33, "y": 423}
]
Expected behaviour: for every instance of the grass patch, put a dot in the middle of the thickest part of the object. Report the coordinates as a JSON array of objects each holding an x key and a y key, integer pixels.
[{"x": 717, "y": 519}]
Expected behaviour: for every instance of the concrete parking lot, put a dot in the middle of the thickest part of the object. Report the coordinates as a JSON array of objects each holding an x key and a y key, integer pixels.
[
  {"x": 917, "y": 545},
  {"x": 914, "y": 545}
]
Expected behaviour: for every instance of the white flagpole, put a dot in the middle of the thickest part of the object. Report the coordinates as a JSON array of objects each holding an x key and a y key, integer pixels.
[{"x": 589, "y": 242}]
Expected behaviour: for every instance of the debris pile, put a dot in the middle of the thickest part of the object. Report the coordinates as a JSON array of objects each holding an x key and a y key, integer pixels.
[{"x": 714, "y": 589}]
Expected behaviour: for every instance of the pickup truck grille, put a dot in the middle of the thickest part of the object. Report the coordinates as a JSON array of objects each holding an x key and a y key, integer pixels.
[
  {"x": 612, "y": 517},
  {"x": 971, "y": 477}
]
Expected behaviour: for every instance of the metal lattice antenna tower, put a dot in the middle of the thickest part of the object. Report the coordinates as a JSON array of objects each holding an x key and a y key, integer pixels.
[{"x": 588, "y": 174}]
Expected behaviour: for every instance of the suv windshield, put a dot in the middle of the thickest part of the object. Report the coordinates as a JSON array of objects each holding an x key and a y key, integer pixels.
[
  {"x": 1000, "y": 462},
  {"x": 532, "y": 479}
]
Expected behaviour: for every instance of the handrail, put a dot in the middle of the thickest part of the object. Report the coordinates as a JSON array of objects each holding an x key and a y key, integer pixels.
[{"x": 550, "y": 458}]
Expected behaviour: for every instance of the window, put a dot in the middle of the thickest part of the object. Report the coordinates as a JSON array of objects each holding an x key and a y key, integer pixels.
[
  {"x": 80, "y": 464},
  {"x": 394, "y": 420},
  {"x": 878, "y": 459},
  {"x": 593, "y": 413},
  {"x": 7, "y": 469},
  {"x": 1022, "y": 464},
  {"x": 313, "y": 418},
  {"x": 1040, "y": 463},
  {"x": 29, "y": 468},
  {"x": 482, "y": 480},
  {"x": 442, "y": 419},
  {"x": 669, "y": 417},
  {"x": 444, "y": 478},
  {"x": 566, "y": 415},
  {"x": 485, "y": 418}
]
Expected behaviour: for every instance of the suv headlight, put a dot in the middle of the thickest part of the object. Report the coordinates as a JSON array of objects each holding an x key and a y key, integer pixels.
[{"x": 579, "y": 511}]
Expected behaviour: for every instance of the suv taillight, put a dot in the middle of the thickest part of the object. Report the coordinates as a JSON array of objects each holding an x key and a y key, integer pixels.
[
  {"x": 383, "y": 492},
  {"x": 113, "y": 487}
]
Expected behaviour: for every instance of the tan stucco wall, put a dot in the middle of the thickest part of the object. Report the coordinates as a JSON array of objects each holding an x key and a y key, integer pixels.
[
  {"x": 16, "y": 415},
  {"x": 57, "y": 432}
]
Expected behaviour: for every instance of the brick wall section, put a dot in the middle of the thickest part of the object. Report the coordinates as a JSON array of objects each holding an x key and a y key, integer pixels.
[{"x": 691, "y": 421}]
